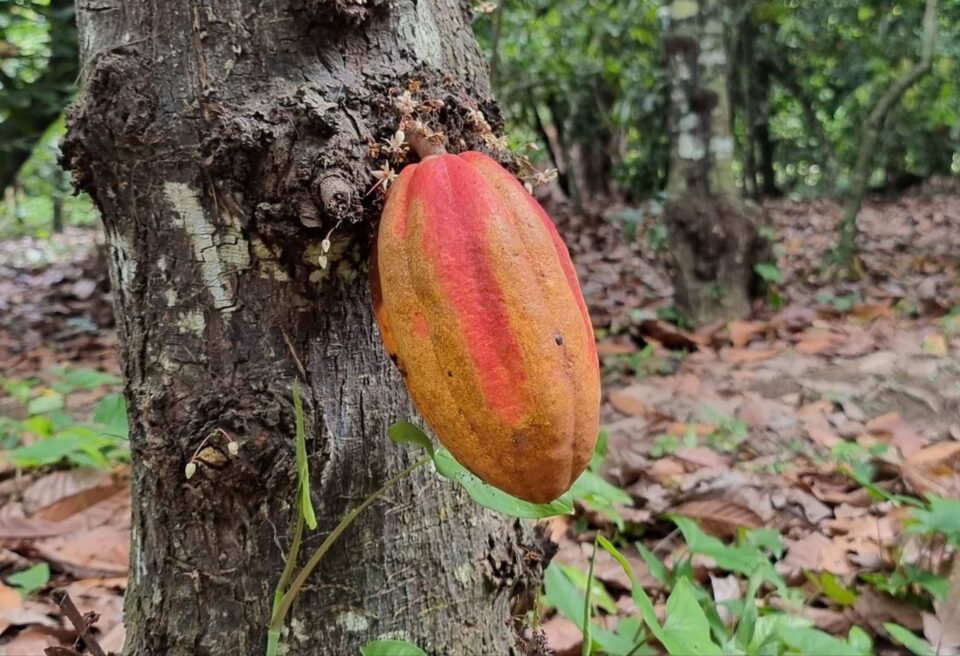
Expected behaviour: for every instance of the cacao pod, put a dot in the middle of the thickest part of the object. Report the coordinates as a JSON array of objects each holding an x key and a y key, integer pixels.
[{"x": 479, "y": 306}]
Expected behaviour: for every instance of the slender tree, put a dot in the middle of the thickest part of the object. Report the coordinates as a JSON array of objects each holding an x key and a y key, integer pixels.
[
  {"x": 870, "y": 139},
  {"x": 225, "y": 142},
  {"x": 713, "y": 234}
]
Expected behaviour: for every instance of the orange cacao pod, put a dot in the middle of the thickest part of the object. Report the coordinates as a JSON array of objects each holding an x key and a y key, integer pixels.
[{"x": 480, "y": 308}]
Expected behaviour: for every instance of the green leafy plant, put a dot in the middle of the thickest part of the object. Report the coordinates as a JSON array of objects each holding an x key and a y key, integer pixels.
[
  {"x": 50, "y": 435},
  {"x": 30, "y": 580},
  {"x": 938, "y": 516},
  {"x": 291, "y": 581},
  {"x": 772, "y": 278}
]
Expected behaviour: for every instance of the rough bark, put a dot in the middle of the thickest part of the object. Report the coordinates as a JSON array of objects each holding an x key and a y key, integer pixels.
[
  {"x": 713, "y": 235},
  {"x": 223, "y": 141}
]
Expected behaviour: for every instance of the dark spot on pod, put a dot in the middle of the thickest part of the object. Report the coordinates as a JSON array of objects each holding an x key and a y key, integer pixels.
[
  {"x": 449, "y": 374},
  {"x": 559, "y": 340}
]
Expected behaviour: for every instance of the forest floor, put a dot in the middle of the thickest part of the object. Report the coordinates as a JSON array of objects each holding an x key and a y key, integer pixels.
[{"x": 807, "y": 418}]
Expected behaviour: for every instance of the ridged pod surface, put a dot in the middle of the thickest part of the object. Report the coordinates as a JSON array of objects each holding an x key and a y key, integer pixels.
[{"x": 480, "y": 308}]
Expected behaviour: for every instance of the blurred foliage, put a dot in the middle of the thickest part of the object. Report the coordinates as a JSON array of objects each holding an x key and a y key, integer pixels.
[
  {"x": 43, "y": 430},
  {"x": 29, "y": 207},
  {"x": 38, "y": 72},
  {"x": 596, "y": 71},
  {"x": 586, "y": 82}
]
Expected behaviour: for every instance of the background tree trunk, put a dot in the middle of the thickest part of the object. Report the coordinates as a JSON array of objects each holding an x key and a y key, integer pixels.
[
  {"x": 870, "y": 139},
  {"x": 713, "y": 235},
  {"x": 223, "y": 141}
]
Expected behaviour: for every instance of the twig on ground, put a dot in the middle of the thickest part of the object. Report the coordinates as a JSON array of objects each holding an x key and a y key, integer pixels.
[{"x": 81, "y": 623}]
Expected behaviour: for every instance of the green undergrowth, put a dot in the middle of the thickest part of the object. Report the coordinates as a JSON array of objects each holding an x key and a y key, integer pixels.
[{"x": 50, "y": 424}]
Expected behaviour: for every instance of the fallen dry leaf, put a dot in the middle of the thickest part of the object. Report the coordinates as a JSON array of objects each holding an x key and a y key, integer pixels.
[
  {"x": 563, "y": 636},
  {"x": 936, "y": 469},
  {"x": 935, "y": 344},
  {"x": 9, "y": 597},
  {"x": 892, "y": 428},
  {"x": 742, "y": 332},
  {"x": 719, "y": 517},
  {"x": 98, "y": 552},
  {"x": 942, "y": 627},
  {"x": 876, "y": 608},
  {"x": 869, "y": 312},
  {"x": 29, "y": 642},
  {"x": 109, "y": 509},
  {"x": 737, "y": 356},
  {"x": 53, "y": 487},
  {"x": 817, "y": 341},
  {"x": 614, "y": 348},
  {"x": 639, "y": 399},
  {"x": 806, "y": 553},
  {"x": 680, "y": 429}
]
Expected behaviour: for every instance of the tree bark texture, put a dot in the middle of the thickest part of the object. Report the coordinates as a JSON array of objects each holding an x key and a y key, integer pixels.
[
  {"x": 713, "y": 234},
  {"x": 223, "y": 142}
]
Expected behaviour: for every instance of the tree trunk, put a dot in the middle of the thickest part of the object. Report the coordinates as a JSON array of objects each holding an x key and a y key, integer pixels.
[
  {"x": 713, "y": 234},
  {"x": 870, "y": 139},
  {"x": 59, "y": 181},
  {"x": 223, "y": 141}
]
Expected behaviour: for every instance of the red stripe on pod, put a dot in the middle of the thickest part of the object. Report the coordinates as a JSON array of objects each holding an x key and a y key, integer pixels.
[
  {"x": 563, "y": 254},
  {"x": 459, "y": 206}
]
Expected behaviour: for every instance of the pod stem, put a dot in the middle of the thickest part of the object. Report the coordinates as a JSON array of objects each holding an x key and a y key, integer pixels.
[{"x": 422, "y": 140}]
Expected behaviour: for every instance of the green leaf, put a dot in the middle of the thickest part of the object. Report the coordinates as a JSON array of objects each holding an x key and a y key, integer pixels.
[
  {"x": 601, "y": 495},
  {"x": 687, "y": 624},
  {"x": 833, "y": 589},
  {"x": 87, "y": 379},
  {"x": 303, "y": 467},
  {"x": 30, "y": 580},
  {"x": 49, "y": 451},
  {"x": 741, "y": 559},
  {"x": 814, "y": 641},
  {"x": 942, "y": 516},
  {"x": 21, "y": 390},
  {"x": 937, "y": 586},
  {"x": 494, "y": 499},
  {"x": 45, "y": 403},
  {"x": 860, "y": 639},
  {"x": 563, "y": 594},
  {"x": 111, "y": 412},
  {"x": 391, "y": 648},
  {"x": 910, "y": 640},
  {"x": 598, "y": 593},
  {"x": 767, "y": 630},
  {"x": 748, "y": 617},
  {"x": 769, "y": 273},
  {"x": 600, "y": 452},
  {"x": 657, "y": 569},
  {"x": 39, "y": 425},
  {"x": 640, "y": 597},
  {"x": 765, "y": 538},
  {"x": 403, "y": 432}
]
